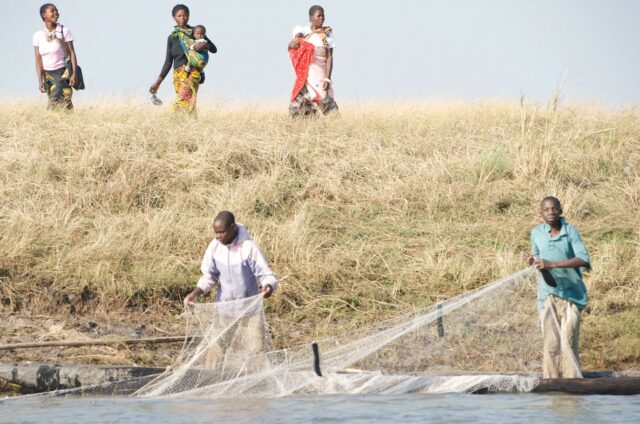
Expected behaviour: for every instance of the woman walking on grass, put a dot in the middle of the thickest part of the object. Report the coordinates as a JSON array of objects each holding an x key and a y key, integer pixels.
[
  {"x": 186, "y": 79},
  {"x": 52, "y": 45},
  {"x": 311, "y": 53}
]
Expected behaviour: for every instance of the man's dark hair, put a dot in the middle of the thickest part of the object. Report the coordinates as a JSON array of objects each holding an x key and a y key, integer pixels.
[
  {"x": 44, "y": 8},
  {"x": 313, "y": 9},
  {"x": 553, "y": 199},
  {"x": 179, "y": 7},
  {"x": 226, "y": 218}
]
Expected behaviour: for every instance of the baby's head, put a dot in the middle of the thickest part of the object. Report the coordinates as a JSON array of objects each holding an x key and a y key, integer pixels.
[{"x": 199, "y": 32}]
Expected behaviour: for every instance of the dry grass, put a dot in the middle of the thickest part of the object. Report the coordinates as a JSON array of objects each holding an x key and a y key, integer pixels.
[{"x": 376, "y": 211}]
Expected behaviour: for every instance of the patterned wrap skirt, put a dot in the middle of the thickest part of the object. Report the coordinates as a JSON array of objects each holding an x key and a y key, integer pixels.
[
  {"x": 186, "y": 84},
  {"x": 56, "y": 84}
]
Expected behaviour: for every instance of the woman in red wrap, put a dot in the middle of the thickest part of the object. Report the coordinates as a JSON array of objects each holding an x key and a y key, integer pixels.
[{"x": 311, "y": 53}]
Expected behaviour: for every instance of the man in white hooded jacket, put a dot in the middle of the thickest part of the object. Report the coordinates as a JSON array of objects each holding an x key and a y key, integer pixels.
[{"x": 234, "y": 263}]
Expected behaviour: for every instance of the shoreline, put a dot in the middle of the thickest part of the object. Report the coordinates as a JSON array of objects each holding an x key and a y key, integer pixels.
[{"x": 365, "y": 216}]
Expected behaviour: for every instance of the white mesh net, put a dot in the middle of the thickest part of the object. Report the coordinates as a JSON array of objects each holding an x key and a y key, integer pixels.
[{"x": 488, "y": 339}]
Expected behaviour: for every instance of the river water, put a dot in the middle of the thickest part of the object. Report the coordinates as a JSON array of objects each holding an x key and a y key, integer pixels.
[{"x": 408, "y": 408}]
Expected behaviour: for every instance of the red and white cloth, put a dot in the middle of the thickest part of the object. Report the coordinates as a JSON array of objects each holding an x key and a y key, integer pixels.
[{"x": 310, "y": 62}]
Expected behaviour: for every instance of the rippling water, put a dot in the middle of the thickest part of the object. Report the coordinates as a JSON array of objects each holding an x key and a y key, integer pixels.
[{"x": 411, "y": 408}]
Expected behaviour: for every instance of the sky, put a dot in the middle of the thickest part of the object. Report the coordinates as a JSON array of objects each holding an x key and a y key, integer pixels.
[{"x": 417, "y": 50}]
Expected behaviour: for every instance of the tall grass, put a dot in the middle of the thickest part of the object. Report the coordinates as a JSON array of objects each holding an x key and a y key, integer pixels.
[{"x": 376, "y": 211}]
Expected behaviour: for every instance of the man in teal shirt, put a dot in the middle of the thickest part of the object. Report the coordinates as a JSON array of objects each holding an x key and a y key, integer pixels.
[{"x": 558, "y": 253}]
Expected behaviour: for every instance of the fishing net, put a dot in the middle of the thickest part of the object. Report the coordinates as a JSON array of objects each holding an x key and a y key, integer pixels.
[
  {"x": 485, "y": 340},
  {"x": 488, "y": 339}
]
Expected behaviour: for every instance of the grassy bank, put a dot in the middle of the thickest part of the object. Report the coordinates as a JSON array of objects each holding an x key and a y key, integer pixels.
[{"x": 365, "y": 215}]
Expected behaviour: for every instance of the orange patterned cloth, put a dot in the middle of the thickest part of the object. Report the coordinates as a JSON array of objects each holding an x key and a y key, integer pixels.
[{"x": 186, "y": 85}]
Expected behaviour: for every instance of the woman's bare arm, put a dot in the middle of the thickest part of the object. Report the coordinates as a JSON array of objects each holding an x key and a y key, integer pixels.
[
  {"x": 329, "y": 67},
  {"x": 39, "y": 70},
  {"x": 74, "y": 62}
]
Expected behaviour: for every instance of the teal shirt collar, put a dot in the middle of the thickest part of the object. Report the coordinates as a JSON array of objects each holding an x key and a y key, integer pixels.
[{"x": 563, "y": 228}]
